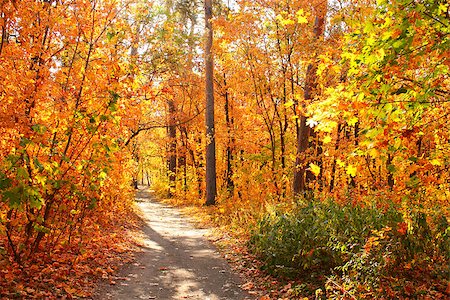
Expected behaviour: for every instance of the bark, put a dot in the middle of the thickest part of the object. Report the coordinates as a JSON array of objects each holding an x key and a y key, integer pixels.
[
  {"x": 305, "y": 134},
  {"x": 390, "y": 178},
  {"x": 333, "y": 168},
  {"x": 182, "y": 161},
  {"x": 211, "y": 189},
  {"x": 229, "y": 150},
  {"x": 148, "y": 178},
  {"x": 172, "y": 160}
]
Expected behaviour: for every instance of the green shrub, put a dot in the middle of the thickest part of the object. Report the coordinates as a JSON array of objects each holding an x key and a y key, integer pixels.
[
  {"x": 352, "y": 245},
  {"x": 316, "y": 235}
]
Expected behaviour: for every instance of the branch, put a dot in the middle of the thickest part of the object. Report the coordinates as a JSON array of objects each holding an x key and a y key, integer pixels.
[
  {"x": 149, "y": 127},
  {"x": 440, "y": 91}
]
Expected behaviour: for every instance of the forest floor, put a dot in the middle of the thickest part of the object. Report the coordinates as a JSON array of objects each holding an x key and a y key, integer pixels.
[{"x": 177, "y": 261}]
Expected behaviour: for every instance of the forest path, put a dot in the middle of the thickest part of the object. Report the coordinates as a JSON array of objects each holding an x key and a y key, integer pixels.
[{"x": 177, "y": 261}]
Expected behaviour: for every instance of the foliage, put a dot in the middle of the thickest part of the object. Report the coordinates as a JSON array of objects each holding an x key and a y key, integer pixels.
[
  {"x": 358, "y": 246},
  {"x": 67, "y": 101},
  {"x": 377, "y": 122},
  {"x": 96, "y": 94}
]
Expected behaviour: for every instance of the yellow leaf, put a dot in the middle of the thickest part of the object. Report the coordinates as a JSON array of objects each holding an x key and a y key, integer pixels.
[
  {"x": 442, "y": 8},
  {"x": 300, "y": 17},
  {"x": 353, "y": 120},
  {"x": 327, "y": 139},
  {"x": 360, "y": 97},
  {"x": 41, "y": 179},
  {"x": 381, "y": 53},
  {"x": 436, "y": 162},
  {"x": 373, "y": 153},
  {"x": 315, "y": 169},
  {"x": 340, "y": 163},
  {"x": 351, "y": 170},
  {"x": 302, "y": 20},
  {"x": 285, "y": 22},
  {"x": 289, "y": 104}
]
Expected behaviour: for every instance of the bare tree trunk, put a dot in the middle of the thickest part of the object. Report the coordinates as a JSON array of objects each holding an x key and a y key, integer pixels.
[
  {"x": 182, "y": 161},
  {"x": 172, "y": 161},
  {"x": 211, "y": 189},
  {"x": 148, "y": 178},
  {"x": 230, "y": 144}
]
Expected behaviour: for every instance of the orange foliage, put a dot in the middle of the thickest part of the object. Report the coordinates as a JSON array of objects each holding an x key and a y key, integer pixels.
[{"x": 67, "y": 103}]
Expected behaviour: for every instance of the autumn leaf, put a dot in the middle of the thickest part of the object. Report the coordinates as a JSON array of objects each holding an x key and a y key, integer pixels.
[
  {"x": 327, "y": 139},
  {"x": 436, "y": 162},
  {"x": 283, "y": 21},
  {"x": 352, "y": 121},
  {"x": 351, "y": 170},
  {"x": 301, "y": 19},
  {"x": 289, "y": 103},
  {"x": 248, "y": 286},
  {"x": 315, "y": 169}
]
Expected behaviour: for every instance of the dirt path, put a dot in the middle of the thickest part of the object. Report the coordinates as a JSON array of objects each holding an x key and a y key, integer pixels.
[{"x": 177, "y": 262}]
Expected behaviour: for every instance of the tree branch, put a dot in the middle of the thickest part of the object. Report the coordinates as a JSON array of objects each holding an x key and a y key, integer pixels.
[{"x": 146, "y": 127}]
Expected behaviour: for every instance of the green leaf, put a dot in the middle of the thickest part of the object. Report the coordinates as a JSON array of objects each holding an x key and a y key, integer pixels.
[
  {"x": 93, "y": 203},
  {"x": 391, "y": 168},
  {"x": 14, "y": 197},
  {"x": 24, "y": 142},
  {"x": 22, "y": 173},
  {"x": 413, "y": 159},
  {"x": 5, "y": 182},
  {"x": 36, "y": 201},
  {"x": 401, "y": 90},
  {"x": 40, "y": 228},
  {"x": 38, "y": 128},
  {"x": 38, "y": 164},
  {"x": 110, "y": 35}
]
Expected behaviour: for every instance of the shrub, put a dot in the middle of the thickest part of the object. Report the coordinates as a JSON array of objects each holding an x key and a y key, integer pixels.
[
  {"x": 353, "y": 246},
  {"x": 316, "y": 235}
]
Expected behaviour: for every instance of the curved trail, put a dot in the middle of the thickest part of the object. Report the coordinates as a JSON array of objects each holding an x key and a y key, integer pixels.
[{"x": 177, "y": 261}]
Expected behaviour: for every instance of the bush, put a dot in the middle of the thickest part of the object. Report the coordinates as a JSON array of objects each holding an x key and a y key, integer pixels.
[
  {"x": 316, "y": 235},
  {"x": 351, "y": 245}
]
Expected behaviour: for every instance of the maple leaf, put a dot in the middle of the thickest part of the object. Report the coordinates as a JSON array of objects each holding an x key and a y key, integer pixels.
[
  {"x": 351, "y": 170},
  {"x": 301, "y": 19},
  {"x": 327, "y": 139},
  {"x": 352, "y": 121},
  {"x": 315, "y": 169},
  {"x": 436, "y": 162}
]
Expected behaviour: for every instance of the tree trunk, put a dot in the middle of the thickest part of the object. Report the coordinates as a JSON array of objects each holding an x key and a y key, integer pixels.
[
  {"x": 172, "y": 161},
  {"x": 230, "y": 144},
  {"x": 211, "y": 190},
  {"x": 148, "y": 178},
  {"x": 182, "y": 161},
  {"x": 305, "y": 134}
]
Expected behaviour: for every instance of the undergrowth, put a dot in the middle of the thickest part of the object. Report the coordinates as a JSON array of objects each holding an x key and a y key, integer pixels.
[
  {"x": 71, "y": 269},
  {"x": 356, "y": 252}
]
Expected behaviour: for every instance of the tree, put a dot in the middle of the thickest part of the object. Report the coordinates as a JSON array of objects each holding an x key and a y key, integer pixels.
[
  {"x": 64, "y": 119},
  {"x": 211, "y": 189},
  {"x": 305, "y": 134}
]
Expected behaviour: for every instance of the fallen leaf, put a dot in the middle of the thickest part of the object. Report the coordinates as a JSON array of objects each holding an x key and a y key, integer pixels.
[{"x": 248, "y": 286}]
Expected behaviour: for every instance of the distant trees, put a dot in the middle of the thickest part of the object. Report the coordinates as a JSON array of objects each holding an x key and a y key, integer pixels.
[{"x": 295, "y": 115}]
